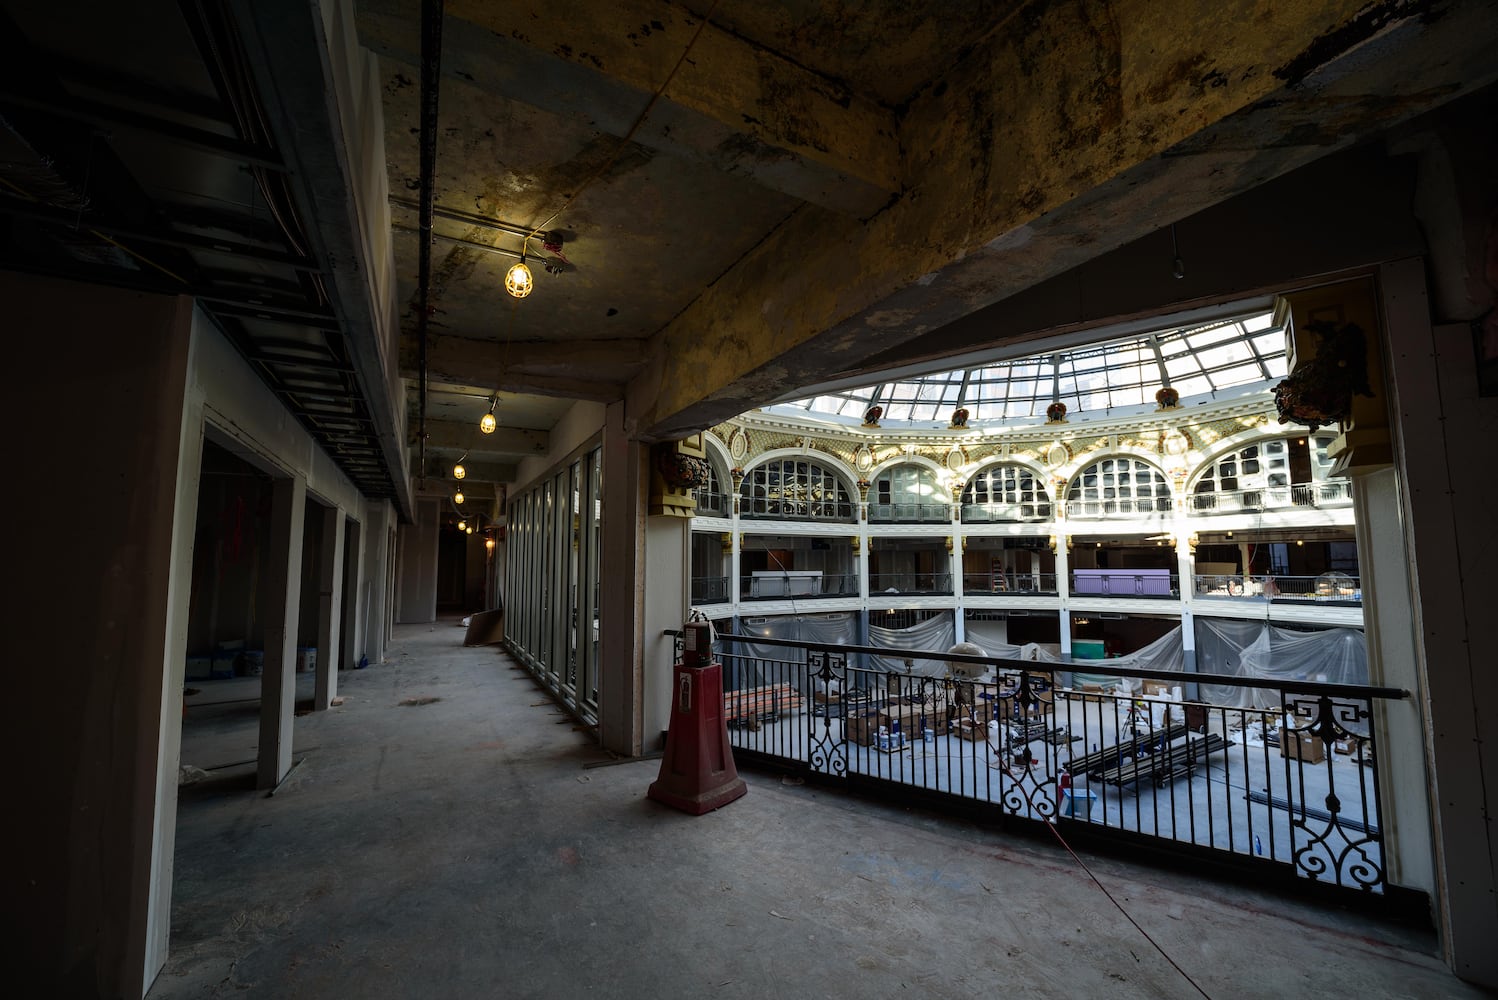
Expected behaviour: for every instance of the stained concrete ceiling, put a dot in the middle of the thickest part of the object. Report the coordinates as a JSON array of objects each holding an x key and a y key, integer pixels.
[
  {"x": 823, "y": 191},
  {"x": 822, "y": 183}
]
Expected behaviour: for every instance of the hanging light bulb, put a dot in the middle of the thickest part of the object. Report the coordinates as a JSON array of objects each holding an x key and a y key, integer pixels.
[
  {"x": 462, "y": 525},
  {"x": 459, "y": 472},
  {"x": 470, "y": 530},
  {"x": 518, "y": 281},
  {"x": 489, "y": 544},
  {"x": 458, "y": 497},
  {"x": 486, "y": 423}
]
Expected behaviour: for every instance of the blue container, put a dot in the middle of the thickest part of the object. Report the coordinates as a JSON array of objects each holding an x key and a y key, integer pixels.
[{"x": 1077, "y": 803}]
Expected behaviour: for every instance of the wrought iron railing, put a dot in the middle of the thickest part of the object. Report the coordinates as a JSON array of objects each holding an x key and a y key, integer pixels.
[
  {"x": 910, "y": 513},
  {"x": 709, "y": 589},
  {"x": 1124, "y": 583},
  {"x": 796, "y": 510},
  {"x": 793, "y": 584},
  {"x": 1270, "y": 776},
  {"x": 713, "y": 504},
  {"x": 1008, "y": 583},
  {"x": 889, "y": 584},
  {"x": 1339, "y": 588}
]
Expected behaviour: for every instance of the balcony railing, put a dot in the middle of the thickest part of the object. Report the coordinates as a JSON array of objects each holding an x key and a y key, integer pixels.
[
  {"x": 713, "y": 504},
  {"x": 796, "y": 510},
  {"x": 992, "y": 513},
  {"x": 797, "y": 584},
  {"x": 1269, "y": 776},
  {"x": 1124, "y": 583},
  {"x": 709, "y": 589},
  {"x": 1328, "y": 494},
  {"x": 1341, "y": 589},
  {"x": 1008, "y": 583},
  {"x": 1131, "y": 507},
  {"x": 882, "y": 584},
  {"x": 910, "y": 513}
]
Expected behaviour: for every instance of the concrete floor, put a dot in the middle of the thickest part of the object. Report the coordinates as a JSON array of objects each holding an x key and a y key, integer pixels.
[{"x": 461, "y": 848}]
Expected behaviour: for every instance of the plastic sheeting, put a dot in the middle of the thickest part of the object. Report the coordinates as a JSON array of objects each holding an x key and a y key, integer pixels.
[
  {"x": 1165, "y": 654},
  {"x": 1260, "y": 650},
  {"x": 766, "y": 664},
  {"x": 988, "y": 635},
  {"x": 936, "y": 634}
]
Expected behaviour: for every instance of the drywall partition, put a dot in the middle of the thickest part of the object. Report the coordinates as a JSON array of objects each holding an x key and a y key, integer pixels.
[
  {"x": 93, "y": 619},
  {"x": 106, "y": 609},
  {"x": 416, "y": 565}
]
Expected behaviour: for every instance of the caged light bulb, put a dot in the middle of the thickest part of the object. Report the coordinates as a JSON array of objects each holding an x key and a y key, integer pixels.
[
  {"x": 487, "y": 423},
  {"x": 459, "y": 472},
  {"x": 518, "y": 281}
]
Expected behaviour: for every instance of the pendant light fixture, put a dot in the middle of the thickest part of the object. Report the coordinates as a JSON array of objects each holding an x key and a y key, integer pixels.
[
  {"x": 462, "y": 525},
  {"x": 458, "y": 471},
  {"x": 518, "y": 279},
  {"x": 458, "y": 497},
  {"x": 487, "y": 421}
]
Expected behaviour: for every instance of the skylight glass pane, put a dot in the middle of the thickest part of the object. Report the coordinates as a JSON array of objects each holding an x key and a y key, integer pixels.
[
  {"x": 1193, "y": 386},
  {"x": 897, "y": 411}
]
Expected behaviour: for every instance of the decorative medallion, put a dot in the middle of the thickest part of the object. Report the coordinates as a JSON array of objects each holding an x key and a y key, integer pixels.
[
  {"x": 1057, "y": 455},
  {"x": 863, "y": 458},
  {"x": 738, "y": 444},
  {"x": 956, "y": 459}
]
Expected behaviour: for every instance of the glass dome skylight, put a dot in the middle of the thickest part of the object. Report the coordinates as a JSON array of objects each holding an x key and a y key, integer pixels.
[{"x": 1195, "y": 361}]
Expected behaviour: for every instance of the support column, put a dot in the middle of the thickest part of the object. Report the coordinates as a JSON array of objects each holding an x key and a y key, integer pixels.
[
  {"x": 1441, "y": 524},
  {"x": 351, "y": 632},
  {"x": 1383, "y": 573},
  {"x": 282, "y": 595},
  {"x": 329, "y": 606},
  {"x": 1062, "y": 543},
  {"x": 374, "y": 583},
  {"x": 622, "y": 578}
]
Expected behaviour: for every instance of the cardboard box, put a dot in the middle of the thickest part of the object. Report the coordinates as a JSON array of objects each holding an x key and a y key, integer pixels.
[
  {"x": 1302, "y": 746},
  {"x": 864, "y": 728},
  {"x": 966, "y": 729},
  {"x": 1156, "y": 688}
]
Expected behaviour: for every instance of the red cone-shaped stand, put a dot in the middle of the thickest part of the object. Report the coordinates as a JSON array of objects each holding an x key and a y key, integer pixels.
[{"x": 697, "y": 772}]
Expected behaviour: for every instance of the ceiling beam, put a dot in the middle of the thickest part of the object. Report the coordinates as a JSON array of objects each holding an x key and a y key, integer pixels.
[
  {"x": 458, "y": 435},
  {"x": 440, "y": 470},
  {"x": 1176, "y": 118},
  {"x": 736, "y": 106},
  {"x": 539, "y": 368}
]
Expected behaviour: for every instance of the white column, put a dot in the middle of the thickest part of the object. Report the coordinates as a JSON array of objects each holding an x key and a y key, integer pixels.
[
  {"x": 1063, "y": 587},
  {"x": 283, "y": 594},
  {"x": 1392, "y": 658},
  {"x": 329, "y": 606}
]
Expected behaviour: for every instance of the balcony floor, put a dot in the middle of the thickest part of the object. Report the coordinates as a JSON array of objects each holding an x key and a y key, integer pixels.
[{"x": 463, "y": 848}]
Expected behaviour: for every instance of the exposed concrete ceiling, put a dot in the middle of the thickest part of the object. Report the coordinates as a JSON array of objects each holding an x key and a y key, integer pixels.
[
  {"x": 823, "y": 190},
  {"x": 819, "y": 185}
]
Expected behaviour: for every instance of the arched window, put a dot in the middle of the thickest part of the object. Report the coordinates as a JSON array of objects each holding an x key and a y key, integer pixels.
[
  {"x": 909, "y": 493},
  {"x": 1005, "y": 493},
  {"x": 1127, "y": 487},
  {"x": 1272, "y": 474},
  {"x": 795, "y": 490},
  {"x": 712, "y": 499}
]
